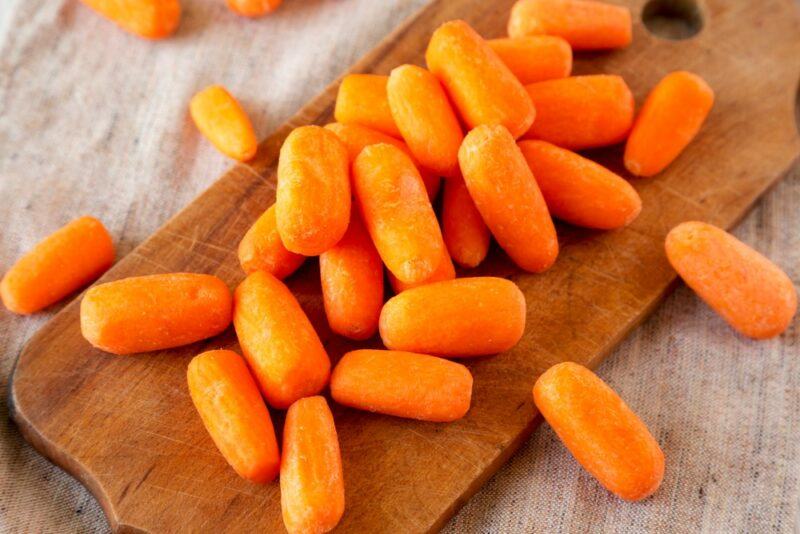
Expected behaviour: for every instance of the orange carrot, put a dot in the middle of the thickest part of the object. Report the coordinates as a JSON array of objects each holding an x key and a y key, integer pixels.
[
  {"x": 73, "y": 256},
  {"x": 465, "y": 233},
  {"x": 151, "y": 19},
  {"x": 352, "y": 283},
  {"x": 669, "y": 119},
  {"x": 233, "y": 412},
  {"x": 505, "y": 193},
  {"x": 750, "y": 292},
  {"x": 155, "y": 312},
  {"x": 578, "y": 190},
  {"x": 458, "y": 318},
  {"x": 222, "y": 120},
  {"x": 582, "y": 111},
  {"x": 403, "y": 384},
  {"x": 585, "y": 24},
  {"x": 356, "y": 138},
  {"x": 397, "y": 213},
  {"x": 480, "y": 85},
  {"x": 312, "y": 206},
  {"x": 312, "y": 483},
  {"x": 362, "y": 99},
  {"x": 535, "y": 59},
  {"x": 600, "y": 431},
  {"x": 424, "y": 116},
  {"x": 445, "y": 271},
  {"x": 253, "y": 8},
  {"x": 261, "y": 249},
  {"x": 278, "y": 341}
]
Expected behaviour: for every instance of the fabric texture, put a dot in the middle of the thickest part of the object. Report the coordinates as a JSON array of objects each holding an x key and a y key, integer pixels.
[{"x": 95, "y": 121}]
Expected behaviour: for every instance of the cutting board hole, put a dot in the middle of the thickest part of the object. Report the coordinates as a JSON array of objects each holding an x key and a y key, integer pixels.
[{"x": 673, "y": 19}]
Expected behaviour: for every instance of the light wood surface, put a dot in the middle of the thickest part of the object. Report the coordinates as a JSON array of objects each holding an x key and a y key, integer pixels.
[{"x": 125, "y": 426}]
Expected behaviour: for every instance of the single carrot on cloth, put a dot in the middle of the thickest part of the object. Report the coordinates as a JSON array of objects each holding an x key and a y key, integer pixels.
[
  {"x": 221, "y": 119},
  {"x": 582, "y": 111},
  {"x": 352, "y": 283},
  {"x": 253, "y": 8},
  {"x": 600, "y": 430},
  {"x": 65, "y": 261},
  {"x": 362, "y": 99},
  {"x": 481, "y": 86},
  {"x": 749, "y": 291},
  {"x": 278, "y": 341},
  {"x": 261, "y": 249},
  {"x": 356, "y": 137},
  {"x": 465, "y": 234},
  {"x": 159, "y": 311},
  {"x": 312, "y": 204},
  {"x": 233, "y": 412},
  {"x": 670, "y": 118},
  {"x": 578, "y": 190},
  {"x": 403, "y": 384},
  {"x": 536, "y": 58},
  {"x": 426, "y": 120},
  {"x": 457, "y": 318},
  {"x": 312, "y": 482},
  {"x": 505, "y": 192},
  {"x": 397, "y": 213},
  {"x": 585, "y": 24},
  {"x": 151, "y": 19}
]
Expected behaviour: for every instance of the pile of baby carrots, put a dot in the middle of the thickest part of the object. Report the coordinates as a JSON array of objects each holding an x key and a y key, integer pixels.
[{"x": 499, "y": 122}]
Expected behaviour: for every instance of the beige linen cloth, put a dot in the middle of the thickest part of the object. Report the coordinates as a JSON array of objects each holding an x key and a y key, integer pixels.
[{"x": 94, "y": 121}]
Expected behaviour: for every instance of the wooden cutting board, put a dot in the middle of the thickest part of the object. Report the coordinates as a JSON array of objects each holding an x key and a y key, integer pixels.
[{"x": 126, "y": 428}]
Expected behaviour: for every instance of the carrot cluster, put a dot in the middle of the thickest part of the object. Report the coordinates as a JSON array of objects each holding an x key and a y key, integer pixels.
[{"x": 500, "y": 122}]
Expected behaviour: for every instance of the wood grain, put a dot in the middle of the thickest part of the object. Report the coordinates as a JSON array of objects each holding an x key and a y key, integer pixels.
[{"x": 125, "y": 427}]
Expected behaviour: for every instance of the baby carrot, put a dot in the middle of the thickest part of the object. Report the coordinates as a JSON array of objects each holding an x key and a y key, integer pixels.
[
  {"x": 312, "y": 483},
  {"x": 362, "y": 99},
  {"x": 356, "y": 138},
  {"x": 600, "y": 431},
  {"x": 403, "y": 384},
  {"x": 585, "y": 24},
  {"x": 670, "y": 118},
  {"x": 278, "y": 341},
  {"x": 261, "y": 249},
  {"x": 397, "y": 213},
  {"x": 445, "y": 271},
  {"x": 535, "y": 59},
  {"x": 151, "y": 19},
  {"x": 750, "y": 292},
  {"x": 62, "y": 263},
  {"x": 480, "y": 85},
  {"x": 312, "y": 206},
  {"x": 233, "y": 412},
  {"x": 352, "y": 283},
  {"x": 423, "y": 115},
  {"x": 222, "y": 120},
  {"x": 159, "y": 311},
  {"x": 253, "y": 8},
  {"x": 582, "y": 111},
  {"x": 578, "y": 190},
  {"x": 463, "y": 229},
  {"x": 505, "y": 193},
  {"x": 458, "y": 318}
]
